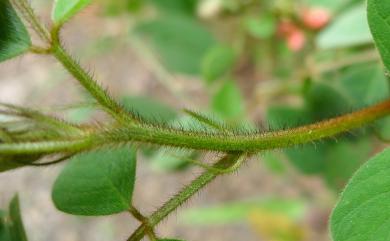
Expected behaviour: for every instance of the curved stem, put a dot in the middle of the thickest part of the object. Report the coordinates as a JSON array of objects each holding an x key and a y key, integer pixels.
[
  {"x": 223, "y": 142},
  {"x": 86, "y": 80},
  {"x": 186, "y": 193},
  {"x": 227, "y": 142},
  {"x": 41, "y": 164}
]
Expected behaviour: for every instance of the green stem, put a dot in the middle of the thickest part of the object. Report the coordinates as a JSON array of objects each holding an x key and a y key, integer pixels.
[
  {"x": 103, "y": 98},
  {"x": 145, "y": 221},
  {"x": 226, "y": 142},
  {"x": 186, "y": 193},
  {"x": 28, "y": 14},
  {"x": 86, "y": 80},
  {"x": 27, "y": 148},
  {"x": 222, "y": 142}
]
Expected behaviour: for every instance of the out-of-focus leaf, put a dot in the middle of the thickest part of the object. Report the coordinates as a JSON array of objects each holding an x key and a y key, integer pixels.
[
  {"x": 309, "y": 158},
  {"x": 276, "y": 226},
  {"x": 218, "y": 61},
  {"x": 16, "y": 226},
  {"x": 324, "y": 101},
  {"x": 236, "y": 212},
  {"x": 349, "y": 29},
  {"x": 171, "y": 160},
  {"x": 113, "y": 8},
  {"x": 261, "y": 27},
  {"x": 382, "y": 127},
  {"x": 343, "y": 159},
  {"x": 149, "y": 109},
  {"x": 134, "y": 5},
  {"x": 4, "y": 229},
  {"x": 333, "y": 5},
  {"x": 176, "y": 6},
  {"x": 79, "y": 114},
  {"x": 365, "y": 85},
  {"x": 100, "y": 182},
  {"x": 14, "y": 38},
  {"x": 274, "y": 162},
  {"x": 169, "y": 239},
  {"x": 281, "y": 116},
  {"x": 180, "y": 41},
  {"x": 329, "y": 4},
  {"x": 378, "y": 19},
  {"x": 11, "y": 224},
  {"x": 228, "y": 102},
  {"x": 65, "y": 9},
  {"x": 8, "y": 163},
  {"x": 362, "y": 213}
]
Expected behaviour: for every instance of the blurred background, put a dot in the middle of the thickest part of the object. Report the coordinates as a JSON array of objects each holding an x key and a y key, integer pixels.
[{"x": 250, "y": 63}]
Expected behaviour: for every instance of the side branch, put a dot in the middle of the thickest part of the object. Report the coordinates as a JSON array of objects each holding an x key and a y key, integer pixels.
[
  {"x": 186, "y": 193},
  {"x": 102, "y": 97}
]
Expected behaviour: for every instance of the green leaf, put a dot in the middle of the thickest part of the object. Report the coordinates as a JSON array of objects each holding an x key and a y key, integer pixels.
[
  {"x": 344, "y": 158},
  {"x": 100, "y": 182},
  {"x": 365, "y": 85},
  {"x": 169, "y": 239},
  {"x": 334, "y": 5},
  {"x": 228, "y": 101},
  {"x": 149, "y": 108},
  {"x": 14, "y": 38},
  {"x": 65, "y": 9},
  {"x": 8, "y": 163},
  {"x": 363, "y": 211},
  {"x": 379, "y": 22},
  {"x": 261, "y": 27},
  {"x": 180, "y": 42},
  {"x": 176, "y": 6},
  {"x": 17, "y": 229},
  {"x": 238, "y": 211},
  {"x": 309, "y": 158},
  {"x": 11, "y": 224},
  {"x": 349, "y": 29},
  {"x": 383, "y": 128},
  {"x": 281, "y": 116},
  {"x": 324, "y": 101},
  {"x": 217, "y": 62},
  {"x": 273, "y": 161},
  {"x": 4, "y": 227}
]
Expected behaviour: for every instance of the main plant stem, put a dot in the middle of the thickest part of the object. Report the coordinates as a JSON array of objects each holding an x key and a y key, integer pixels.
[
  {"x": 222, "y": 142},
  {"x": 186, "y": 193},
  {"x": 229, "y": 142}
]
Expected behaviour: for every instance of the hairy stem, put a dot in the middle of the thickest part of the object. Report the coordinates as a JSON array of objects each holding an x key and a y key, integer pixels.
[
  {"x": 145, "y": 221},
  {"x": 227, "y": 142},
  {"x": 47, "y": 147},
  {"x": 86, "y": 80},
  {"x": 222, "y": 142},
  {"x": 29, "y": 15},
  {"x": 186, "y": 193}
]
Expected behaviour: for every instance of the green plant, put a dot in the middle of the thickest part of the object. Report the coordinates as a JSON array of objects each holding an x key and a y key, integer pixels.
[{"x": 99, "y": 178}]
